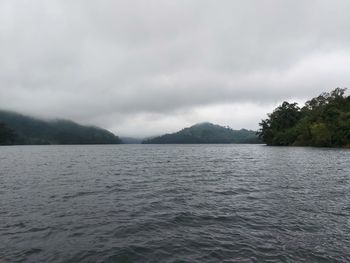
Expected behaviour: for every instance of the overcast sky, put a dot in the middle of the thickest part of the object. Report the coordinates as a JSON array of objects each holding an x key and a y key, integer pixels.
[{"x": 146, "y": 67}]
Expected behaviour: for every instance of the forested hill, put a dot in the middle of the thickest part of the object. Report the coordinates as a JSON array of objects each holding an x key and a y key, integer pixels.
[
  {"x": 206, "y": 133},
  {"x": 19, "y": 129},
  {"x": 322, "y": 121}
]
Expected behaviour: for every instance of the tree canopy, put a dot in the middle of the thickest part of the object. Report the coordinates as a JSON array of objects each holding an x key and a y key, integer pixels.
[
  {"x": 323, "y": 121},
  {"x": 7, "y": 135}
]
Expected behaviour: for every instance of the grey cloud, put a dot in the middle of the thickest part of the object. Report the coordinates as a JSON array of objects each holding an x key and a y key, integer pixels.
[{"x": 107, "y": 62}]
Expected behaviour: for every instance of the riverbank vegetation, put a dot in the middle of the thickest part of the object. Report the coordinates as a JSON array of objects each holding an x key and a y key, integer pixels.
[
  {"x": 7, "y": 135},
  {"x": 323, "y": 121}
]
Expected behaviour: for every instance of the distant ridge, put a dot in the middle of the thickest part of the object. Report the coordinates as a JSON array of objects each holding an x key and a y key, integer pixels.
[
  {"x": 31, "y": 131},
  {"x": 206, "y": 133}
]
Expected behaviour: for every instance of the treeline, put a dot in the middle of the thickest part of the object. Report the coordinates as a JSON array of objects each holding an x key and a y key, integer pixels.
[
  {"x": 7, "y": 135},
  {"x": 23, "y": 130},
  {"x": 323, "y": 121}
]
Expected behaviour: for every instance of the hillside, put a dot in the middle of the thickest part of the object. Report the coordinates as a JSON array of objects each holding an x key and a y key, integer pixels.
[
  {"x": 20, "y": 129},
  {"x": 206, "y": 133},
  {"x": 323, "y": 121}
]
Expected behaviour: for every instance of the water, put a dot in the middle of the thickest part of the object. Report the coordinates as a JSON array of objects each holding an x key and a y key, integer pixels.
[{"x": 178, "y": 203}]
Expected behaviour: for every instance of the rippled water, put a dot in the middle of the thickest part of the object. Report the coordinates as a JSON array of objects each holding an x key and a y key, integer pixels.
[{"x": 178, "y": 203}]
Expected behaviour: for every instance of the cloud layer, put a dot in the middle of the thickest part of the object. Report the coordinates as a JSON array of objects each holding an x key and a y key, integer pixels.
[{"x": 151, "y": 66}]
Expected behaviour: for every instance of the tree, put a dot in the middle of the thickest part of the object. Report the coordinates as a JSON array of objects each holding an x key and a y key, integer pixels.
[
  {"x": 323, "y": 121},
  {"x": 275, "y": 129},
  {"x": 7, "y": 135}
]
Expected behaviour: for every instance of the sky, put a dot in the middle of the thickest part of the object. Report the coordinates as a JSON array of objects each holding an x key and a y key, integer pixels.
[{"x": 148, "y": 67}]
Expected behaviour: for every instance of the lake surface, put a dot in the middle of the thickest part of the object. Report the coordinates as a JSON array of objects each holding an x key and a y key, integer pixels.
[{"x": 177, "y": 203}]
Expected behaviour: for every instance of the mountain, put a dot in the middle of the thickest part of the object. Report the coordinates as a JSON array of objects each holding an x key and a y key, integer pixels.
[
  {"x": 20, "y": 129},
  {"x": 206, "y": 133}
]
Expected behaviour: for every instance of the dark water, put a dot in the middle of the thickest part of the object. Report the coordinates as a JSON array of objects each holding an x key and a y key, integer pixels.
[{"x": 200, "y": 203}]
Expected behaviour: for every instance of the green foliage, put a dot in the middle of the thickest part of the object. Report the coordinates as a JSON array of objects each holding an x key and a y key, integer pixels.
[
  {"x": 206, "y": 133},
  {"x": 323, "y": 121},
  {"x": 7, "y": 135},
  {"x": 320, "y": 134},
  {"x": 29, "y": 130}
]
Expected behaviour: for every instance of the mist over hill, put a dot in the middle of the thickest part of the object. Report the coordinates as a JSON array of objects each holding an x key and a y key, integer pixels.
[
  {"x": 130, "y": 140},
  {"x": 206, "y": 133},
  {"x": 16, "y": 128}
]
